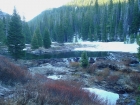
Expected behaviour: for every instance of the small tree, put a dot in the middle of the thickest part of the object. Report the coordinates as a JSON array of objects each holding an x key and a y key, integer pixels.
[
  {"x": 34, "y": 42},
  {"x": 46, "y": 39},
  {"x": 84, "y": 60}
]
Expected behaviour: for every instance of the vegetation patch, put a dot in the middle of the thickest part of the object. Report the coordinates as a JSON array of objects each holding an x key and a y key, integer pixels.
[{"x": 11, "y": 73}]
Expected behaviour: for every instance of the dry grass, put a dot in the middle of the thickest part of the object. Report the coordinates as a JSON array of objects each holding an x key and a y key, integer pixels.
[
  {"x": 99, "y": 78},
  {"x": 92, "y": 68},
  {"x": 104, "y": 73},
  {"x": 135, "y": 77},
  {"x": 112, "y": 79},
  {"x": 74, "y": 64}
]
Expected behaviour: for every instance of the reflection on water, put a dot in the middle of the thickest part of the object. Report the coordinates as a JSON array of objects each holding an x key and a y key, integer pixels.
[{"x": 70, "y": 54}]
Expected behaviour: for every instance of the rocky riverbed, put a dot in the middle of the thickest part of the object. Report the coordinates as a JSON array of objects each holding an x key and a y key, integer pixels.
[{"x": 118, "y": 73}]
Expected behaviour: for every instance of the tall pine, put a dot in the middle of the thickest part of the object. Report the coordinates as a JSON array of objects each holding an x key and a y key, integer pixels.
[
  {"x": 34, "y": 42},
  {"x": 15, "y": 38},
  {"x": 2, "y": 35},
  {"x": 46, "y": 39},
  {"x": 39, "y": 37}
]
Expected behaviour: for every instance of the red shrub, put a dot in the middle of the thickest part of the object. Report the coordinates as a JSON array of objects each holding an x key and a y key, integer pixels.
[
  {"x": 10, "y": 73},
  {"x": 58, "y": 92}
]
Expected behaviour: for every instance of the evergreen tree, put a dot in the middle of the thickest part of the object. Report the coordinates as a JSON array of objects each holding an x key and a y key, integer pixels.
[
  {"x": 104, "y": 24},
  {"x": 2, "y": 35},
  {"x": 84, "y": 60},
  {"x": 90, "y": 36},
  {"x": 46, "y": 39},
  {"x": 39, "y": 37},
  {"x": 34, "y": 42},
  {"x": 26, "y": 32},
  {"x": 135, "y": 25},
  {"x": 15, "y": 38},
  {"x": 60, "y": 34}
]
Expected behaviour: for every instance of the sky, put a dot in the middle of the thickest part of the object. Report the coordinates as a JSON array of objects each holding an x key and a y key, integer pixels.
[{"x": 29, "y": 8}]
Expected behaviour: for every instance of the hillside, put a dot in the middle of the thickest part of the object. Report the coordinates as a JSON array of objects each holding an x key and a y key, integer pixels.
[{"x": 111, "y": 20}]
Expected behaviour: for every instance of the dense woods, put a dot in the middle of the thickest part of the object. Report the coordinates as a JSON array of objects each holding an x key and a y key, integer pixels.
[{"x": 94, "y": 20}]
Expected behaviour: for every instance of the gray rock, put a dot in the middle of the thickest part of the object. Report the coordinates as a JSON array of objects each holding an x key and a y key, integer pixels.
[{"x": 132, "y": 102}]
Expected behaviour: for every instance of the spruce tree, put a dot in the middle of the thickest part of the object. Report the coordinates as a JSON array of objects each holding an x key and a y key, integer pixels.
[
  {"x": 60, "y": 33},
  {"x": 34, "y": 42},
  {"x": 2, "y": 35},
  {"x": 26, "y": 32},
  {"x": 15, "y": 38},
  {"x": 39, "y": 37},
  {"x": 84, "y": 60},
  {"x": 46, "y": 39}
]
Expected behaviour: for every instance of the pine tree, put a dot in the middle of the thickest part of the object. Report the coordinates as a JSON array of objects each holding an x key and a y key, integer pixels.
[
  {"x": 60, "y": 34},
  {"x": 134, "y": 27},
  {"x": 39, "y": 37},
  {"x": 84, "y": 60},
  {"x": 15, "y": 38},
  {"x": 26, "y": 32},
  {"x": 104, "y": 23},
  {"x": 34, "y": 42},
  {"x": 90, "y": 36},
  {"x": 46, "y": 39},
  {"x": 2, "y": 35}
]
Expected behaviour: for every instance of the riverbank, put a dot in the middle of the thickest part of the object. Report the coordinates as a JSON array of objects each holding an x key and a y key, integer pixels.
[{"x": 118, "y": 73}]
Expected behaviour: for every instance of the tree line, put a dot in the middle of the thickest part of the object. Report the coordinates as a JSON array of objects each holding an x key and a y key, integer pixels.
[
  {"x": 15, "y": 33},
  {"x": 93, "y": 20}
]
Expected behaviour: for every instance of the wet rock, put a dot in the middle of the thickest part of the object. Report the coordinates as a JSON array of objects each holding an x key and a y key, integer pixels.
[
  {"x": 4, "y": 92},
  {"x": 113, "y": 67},
  {"x": 128, "y": 88},
  {"x": 83, "y": 75},
  {"x": 91, "y": 60},
  {"x": 76, "y": 59},
  {"x": 1, "y": 95},
  {"x": 102, "y": 65},
  {"x": 100, "y": 59},
  {"x": 132, "y": 102},
  {"x": 134, "y": 61},
  {"x": 49, "y": 72},
  {"x": 119, "y": 89}
]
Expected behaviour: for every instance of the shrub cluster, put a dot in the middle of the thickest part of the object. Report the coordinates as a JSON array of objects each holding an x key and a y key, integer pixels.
[
  {"x": 11, "y": 73},
  {"x": 56, "y": 93}
]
